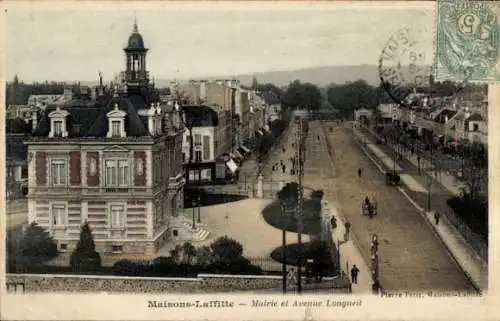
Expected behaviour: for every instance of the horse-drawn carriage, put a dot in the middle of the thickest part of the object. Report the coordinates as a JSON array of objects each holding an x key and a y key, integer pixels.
[
  {"x": 369, "y": 207},
  {"x": 392, "y": 178}
]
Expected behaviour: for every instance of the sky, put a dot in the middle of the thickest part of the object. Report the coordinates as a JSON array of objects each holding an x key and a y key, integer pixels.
[{"x": 77, "y": 44}]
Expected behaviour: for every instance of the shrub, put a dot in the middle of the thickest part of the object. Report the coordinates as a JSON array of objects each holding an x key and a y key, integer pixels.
[
  {"x": 127, "y": 268},
  {"x": 34, "y": 247},
  {"x": 226, "y": 250}
]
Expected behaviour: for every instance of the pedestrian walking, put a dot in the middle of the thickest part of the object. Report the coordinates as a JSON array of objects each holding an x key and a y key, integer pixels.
[
  {"x": 437, "y": 216},
  {"x": 354, "y": 274},
  {"x": 292, "y": 278},
  {"x": 359, "y": 172},
  {"x": 284, "y": 168}
]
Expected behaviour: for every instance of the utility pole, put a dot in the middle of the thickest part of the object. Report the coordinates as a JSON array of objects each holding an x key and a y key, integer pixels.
[
  {"x": 283, "y": 246},
  {"x": 194, "y": 214},
  {"x": 199, "y": 209},
  {"x": 374, "y": 265},
  {"x": 299, "y": 152}
]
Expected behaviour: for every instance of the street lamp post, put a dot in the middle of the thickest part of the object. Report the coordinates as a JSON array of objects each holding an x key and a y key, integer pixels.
[
  {"x": 194, "y": 212},
  {"x": 374, "y": 265},
  {"x": 394, "y": 150},
  {"x": 283, "y": 246},
  {"x": 199, "y": 209}
]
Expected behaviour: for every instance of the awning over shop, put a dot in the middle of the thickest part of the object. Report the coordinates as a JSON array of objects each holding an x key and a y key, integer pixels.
[
  {"x": 232, "y": 166},
  {"x": 260, "y": 132},
  {"x": 246, "y": 149}
]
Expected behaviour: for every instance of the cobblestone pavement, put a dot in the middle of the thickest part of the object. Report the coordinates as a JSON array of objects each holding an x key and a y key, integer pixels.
[{"x": 411, "y": 255}]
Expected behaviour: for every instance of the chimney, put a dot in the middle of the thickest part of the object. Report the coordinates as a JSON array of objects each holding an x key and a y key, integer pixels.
[
  {"x": 151, "y": 119},
  {"x": 34, "y": 119},
  {"x": 203, "y": 91},
  {"x": 93, "y": 94},
  {"x": 68, "y": 94}
]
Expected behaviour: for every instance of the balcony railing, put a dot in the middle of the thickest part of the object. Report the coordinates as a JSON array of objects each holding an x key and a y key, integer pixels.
[{"x": 48, "y": 190}]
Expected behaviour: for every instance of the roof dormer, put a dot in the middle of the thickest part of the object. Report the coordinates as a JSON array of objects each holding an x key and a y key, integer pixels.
[
  {"x": 58, "y": 127},
  {"x": 116, "y": 123}
]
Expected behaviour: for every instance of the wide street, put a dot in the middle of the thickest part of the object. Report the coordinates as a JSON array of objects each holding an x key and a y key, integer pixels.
[{"x": 411, "y": 255}]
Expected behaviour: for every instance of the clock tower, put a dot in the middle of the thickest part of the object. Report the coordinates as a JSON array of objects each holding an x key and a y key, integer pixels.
[{"x": 135, "y": 52}]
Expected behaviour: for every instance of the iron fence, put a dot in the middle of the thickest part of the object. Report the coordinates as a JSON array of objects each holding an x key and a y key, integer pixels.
[
  {"x": 267, "y": 264},
  {"x": 476, "y": 241}
]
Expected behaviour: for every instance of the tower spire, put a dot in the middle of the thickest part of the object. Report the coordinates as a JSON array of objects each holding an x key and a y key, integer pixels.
[{"x": 136, "y": 29}]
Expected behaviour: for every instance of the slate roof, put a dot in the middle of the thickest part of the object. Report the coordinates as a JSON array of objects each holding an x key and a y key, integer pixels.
[
  {"x": 87, "y": 119},
  {"x": 200, "y": 116},
  {"x": 441, "y": 118},
  {"x": 17, "y": 126},
  {"x": 475, "y": 117}
]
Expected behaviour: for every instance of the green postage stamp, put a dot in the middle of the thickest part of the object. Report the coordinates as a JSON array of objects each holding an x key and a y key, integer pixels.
[{"x": 467, "y": 41}]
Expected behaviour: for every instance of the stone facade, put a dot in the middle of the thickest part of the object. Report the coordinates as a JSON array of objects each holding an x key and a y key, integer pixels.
[{"x": 203, "y": 283}]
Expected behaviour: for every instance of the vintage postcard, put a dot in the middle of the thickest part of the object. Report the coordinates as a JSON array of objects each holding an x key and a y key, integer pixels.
[{"x": 250, "y": 160}]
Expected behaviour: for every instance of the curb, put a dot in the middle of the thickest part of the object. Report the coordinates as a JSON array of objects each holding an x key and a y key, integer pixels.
[
  {"x": 338, "y": 213},
  {"x": 423, "y": 213}
]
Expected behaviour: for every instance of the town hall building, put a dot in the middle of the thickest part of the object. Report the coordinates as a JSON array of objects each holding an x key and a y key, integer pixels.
[{"x": 114, "y": 162}]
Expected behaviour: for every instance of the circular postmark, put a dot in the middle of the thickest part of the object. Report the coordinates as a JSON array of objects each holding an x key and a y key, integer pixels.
[
  {"x": 405, "y": 64},
  {"x": 467, "y": 43}
]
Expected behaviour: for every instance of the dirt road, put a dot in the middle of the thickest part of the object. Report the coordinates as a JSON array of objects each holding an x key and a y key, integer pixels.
[{"x": 412, "y": 257}]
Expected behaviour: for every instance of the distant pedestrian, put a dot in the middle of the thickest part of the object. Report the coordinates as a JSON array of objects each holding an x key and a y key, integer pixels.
[
  {"x": 354, "y": 274},
  {"x": 318, "y": 137},
  {"x": 284, "y": 168},
  {"x": 292, "y": 277},
  {"x": 437, "y": 216},
  {"x": 284, "y": 150},
  {"x": 359, "y": 172}
]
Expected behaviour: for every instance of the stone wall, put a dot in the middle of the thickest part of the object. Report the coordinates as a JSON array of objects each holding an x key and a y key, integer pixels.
[{"x": 112, "y": 284}]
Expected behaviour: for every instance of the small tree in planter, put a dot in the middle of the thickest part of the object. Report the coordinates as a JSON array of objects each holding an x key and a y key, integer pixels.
[{"x": 85, "y": 258}]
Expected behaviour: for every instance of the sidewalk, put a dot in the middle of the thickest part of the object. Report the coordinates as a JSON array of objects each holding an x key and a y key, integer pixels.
[
  {"x": 277, "y": 154},
  {"x": 250, "y": 167},
  {"x": 350, "y": 254},
  {"x": 445, "y": 179},
  {"x": 470, "y": 262}
]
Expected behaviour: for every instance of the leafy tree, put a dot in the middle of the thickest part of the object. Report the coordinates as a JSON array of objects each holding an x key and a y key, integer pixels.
[
  {"x": 264, "y": 144},
  {"x": 226, "y": 250},
  {"x": 299, "y": 95},
  {"x": 278, "y": 126},
  {"x": 85, "y": 258},
  {"x": 353, "y": 95},
  {"x": 268, "y": 87},
  {"x": 35, "y": 247},
  {"x": 204, "y": 255},
  {"x": 255, "y": 84},
  {"x": 289, "y": 194}
]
